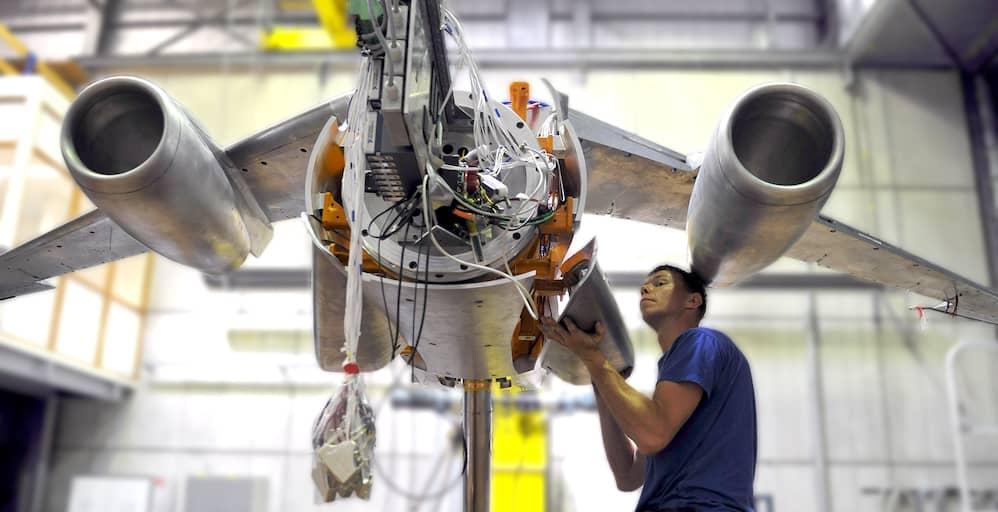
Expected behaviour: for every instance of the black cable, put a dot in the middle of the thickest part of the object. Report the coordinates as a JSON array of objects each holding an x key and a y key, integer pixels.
[
  {"x": 422, "y": 320},
  {"x": 382, "y": 214},
  {"x": 384, "y": 302},
  {"x": 398, "y": 295},
  {"x": 399, "y": 221},
  {"x": 415, "y": 298},
  {"x": 381, "y": 278}
]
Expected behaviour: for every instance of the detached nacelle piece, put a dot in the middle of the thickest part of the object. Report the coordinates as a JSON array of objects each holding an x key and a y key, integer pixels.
[{"x": 148, "y": 166}]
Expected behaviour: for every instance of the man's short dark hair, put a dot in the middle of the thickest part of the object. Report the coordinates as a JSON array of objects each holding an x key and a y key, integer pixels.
[{"x": 692, "y": 282}]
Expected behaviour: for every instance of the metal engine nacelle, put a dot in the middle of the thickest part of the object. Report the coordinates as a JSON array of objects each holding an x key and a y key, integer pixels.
[
  {"x": 770, "y": 167},
  {"x": 147, "y": 165}
]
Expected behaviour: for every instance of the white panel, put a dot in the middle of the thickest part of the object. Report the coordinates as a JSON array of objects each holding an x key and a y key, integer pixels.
[
  {"x": 854, "y": 416},
  {"x": 943, "y": 226},
  {"x": 926, "y": 127},
  {"x": 777, "y": 359},
  {"x": 217, "y": 418},
  {"x": 589, "y": 484},
  {"x": 102, "y": 494},
  {"x": 47, "y": 134},
  {"x": 44, "y": 200},
  {"x": 152, "y": 420},
  {"x": 13, "y": 110},
  {"x": 790, "y": 485},
  {"x": 121, "y": 340},
  {"x": 28, "y": 318},
  {"x": 79, "y": 323}
]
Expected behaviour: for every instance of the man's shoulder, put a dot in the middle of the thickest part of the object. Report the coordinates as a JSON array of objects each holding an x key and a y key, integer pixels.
[
  {"x": 715, "y": 339},
  {"x": 709, "y": 335}
]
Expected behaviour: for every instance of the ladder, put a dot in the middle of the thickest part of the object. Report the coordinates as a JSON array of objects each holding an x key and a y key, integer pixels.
[{"x": 962, "y": 427}]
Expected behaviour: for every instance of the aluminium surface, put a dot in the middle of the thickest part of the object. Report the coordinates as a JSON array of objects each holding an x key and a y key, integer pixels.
[
  {"x": 837, "y": 246},
  {"x": 468, "y": 330},
  {"x": 632, "y": 178},
  {"x": 274, "y": 162},
  {"x": 591, "y": 301},
  {"x": 141, "y": 159},
  {"x": 91, "y": 239},
  {"x": 771, "y": 164},
  {"x": 329, "y": 298}
]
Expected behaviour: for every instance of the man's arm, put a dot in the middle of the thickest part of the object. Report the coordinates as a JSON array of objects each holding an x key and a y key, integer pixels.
[
  {"x": 627, "y": 464},
  {"x": 650, "y": 422}
]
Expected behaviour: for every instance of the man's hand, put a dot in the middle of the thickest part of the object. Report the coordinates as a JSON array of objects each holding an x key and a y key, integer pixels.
[{"x": 584, "y": 345}]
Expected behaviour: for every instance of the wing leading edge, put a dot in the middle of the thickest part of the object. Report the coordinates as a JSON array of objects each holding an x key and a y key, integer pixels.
[{"x": 834, "y": 245}]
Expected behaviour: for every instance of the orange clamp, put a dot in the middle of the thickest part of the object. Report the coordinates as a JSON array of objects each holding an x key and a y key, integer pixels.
[{"x": 519, "y": 97}]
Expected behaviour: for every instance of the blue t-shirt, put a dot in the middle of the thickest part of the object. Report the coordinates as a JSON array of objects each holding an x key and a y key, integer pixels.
[{"x": 710, "y": 464}]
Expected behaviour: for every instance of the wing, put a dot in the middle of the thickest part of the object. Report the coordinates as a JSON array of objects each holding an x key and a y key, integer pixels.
[
  {"x": 632, "y": 178},
  {"x": 278, "y": 157},
  {"x": 836, "y": 246},
  {"x": 89, "y": 240}
]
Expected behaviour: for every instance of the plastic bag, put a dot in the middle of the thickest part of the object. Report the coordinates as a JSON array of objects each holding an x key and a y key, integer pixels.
[{"x": 343, "y": 442}]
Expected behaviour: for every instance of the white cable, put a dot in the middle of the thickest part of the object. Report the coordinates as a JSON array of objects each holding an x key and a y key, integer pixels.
[
  {"x": 528, "y": 302},
  {"x": 381, "y": 38},
  {"x": 353, "y": 196}
]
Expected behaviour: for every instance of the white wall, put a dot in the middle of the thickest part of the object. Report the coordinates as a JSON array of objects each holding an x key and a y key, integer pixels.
[{"x": 908, "y": 178}]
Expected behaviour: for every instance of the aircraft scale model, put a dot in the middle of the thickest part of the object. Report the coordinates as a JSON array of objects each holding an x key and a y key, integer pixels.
[{"x": 465, "y": 207}]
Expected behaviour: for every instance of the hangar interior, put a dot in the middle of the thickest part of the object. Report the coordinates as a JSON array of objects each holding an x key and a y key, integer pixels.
[{"x": 151, "y": 387}]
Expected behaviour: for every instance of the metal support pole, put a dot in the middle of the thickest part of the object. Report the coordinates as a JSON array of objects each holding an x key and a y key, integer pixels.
[
  {"x": 37, "y": 465},
  {"x": 478, "y": 440},
  {"x": 818, "y": 408}
]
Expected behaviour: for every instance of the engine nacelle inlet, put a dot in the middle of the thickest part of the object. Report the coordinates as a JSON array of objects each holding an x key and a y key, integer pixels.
[
  {"x": 148, "y": 166},
  {"x": 770, "y": 167}
]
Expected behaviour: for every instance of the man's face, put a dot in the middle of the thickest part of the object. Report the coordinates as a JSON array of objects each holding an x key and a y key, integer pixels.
[{"x": 662, "y": 295}]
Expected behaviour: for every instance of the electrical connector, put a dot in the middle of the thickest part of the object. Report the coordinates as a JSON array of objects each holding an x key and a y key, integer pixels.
[
  {"x": 499, "y": 188},
  {"x": 392, "y": 91}
]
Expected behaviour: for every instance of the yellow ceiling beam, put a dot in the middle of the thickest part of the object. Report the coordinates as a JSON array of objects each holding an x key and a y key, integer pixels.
[
  {"x": 6, "y": 68},
  {"x": 334, "y": 17},
  {"x": 12, "y": 41},
  {"x": 41, "y": 68},
  {"x": 335, "y": 31}
]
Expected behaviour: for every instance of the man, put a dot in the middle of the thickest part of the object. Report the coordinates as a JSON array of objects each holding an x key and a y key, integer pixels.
[{"x": 693, "y": 443}]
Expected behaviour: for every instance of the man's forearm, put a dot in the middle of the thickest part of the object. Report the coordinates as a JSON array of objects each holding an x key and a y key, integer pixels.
[
  {"x": 626, "y": 464},
  {"x": 635, "y": 414}
]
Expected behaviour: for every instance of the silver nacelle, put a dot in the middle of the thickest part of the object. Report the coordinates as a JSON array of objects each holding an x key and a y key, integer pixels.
[
  {"x": 770, "y": 167},
  {"x": 145, "y": 163}
]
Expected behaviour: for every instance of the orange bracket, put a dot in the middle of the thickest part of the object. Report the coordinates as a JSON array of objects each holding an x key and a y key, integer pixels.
[
  {"x": 519, "y": 98},
  {"x": 334, "y": 217},
  {"x": 562, "y": 223}
]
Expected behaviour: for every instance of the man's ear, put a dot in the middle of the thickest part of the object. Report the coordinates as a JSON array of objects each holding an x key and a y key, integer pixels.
[{"x": 694, "y": 301}]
